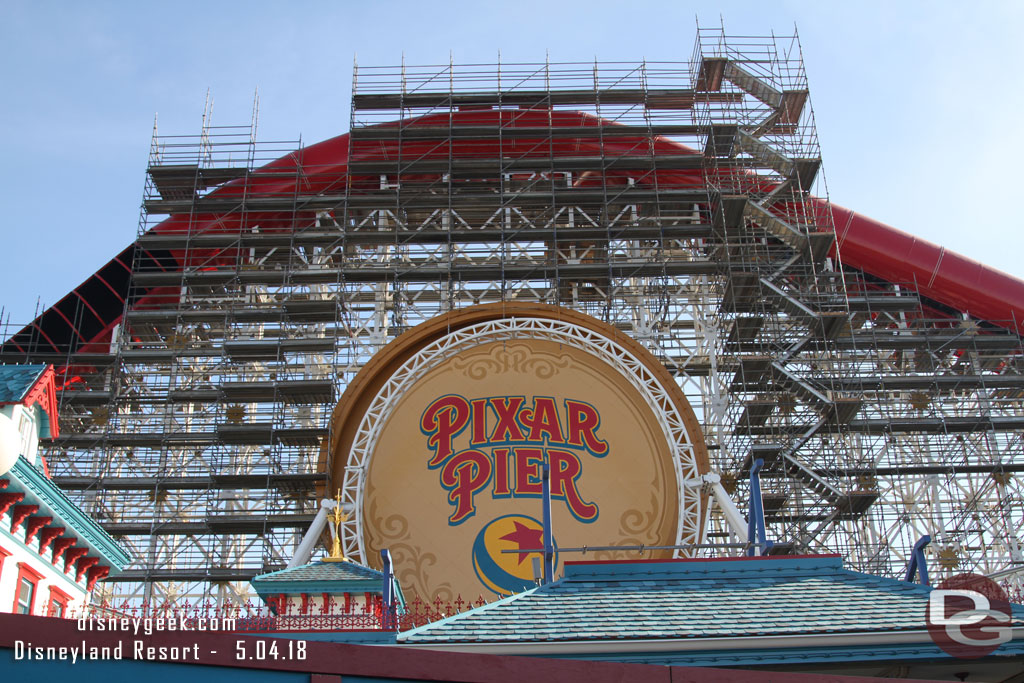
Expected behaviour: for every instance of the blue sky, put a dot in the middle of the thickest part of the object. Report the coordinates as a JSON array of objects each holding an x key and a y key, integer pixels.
[{"x": 917, "y": 104}]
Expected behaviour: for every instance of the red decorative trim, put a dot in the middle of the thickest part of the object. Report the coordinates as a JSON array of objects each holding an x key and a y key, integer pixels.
[
  {"x": 84, "y": 565},
  {"x": 4, "y": 483},
  {"x": 328, "y": 602},
  {"x": 4, "y": 554},
  {"x": 26, "y": 572},
  {"x": 9, "y": 499},
  {"x": 95, "y": 574},
  {"x": 20, "y": 514},
  {"x": 44, "y": 392},
  {"x": 34, "y": 525},
  {"x": 59, "y": 546},
  {"x": 348, "y": 603},
  {"x": 276, "y": 603},
  {"x": 47, "y": 536},
  {"x": 58, "y": 596},
  {"x": 73, "y": 556},
  {"x": 305, "y": 604}
]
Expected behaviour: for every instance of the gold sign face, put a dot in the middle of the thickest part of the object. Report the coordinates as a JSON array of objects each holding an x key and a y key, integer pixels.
[{"x": 453, "y": 480}]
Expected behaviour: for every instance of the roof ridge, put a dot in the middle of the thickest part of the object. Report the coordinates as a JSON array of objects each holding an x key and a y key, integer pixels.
[
  {"x": 695, "y": 571},
  {"x": 18, "y": 368},
  {"x": 376, "y": 574},
  {"x": 86, "y": 526},
  {"x": 474, "y": 610}
]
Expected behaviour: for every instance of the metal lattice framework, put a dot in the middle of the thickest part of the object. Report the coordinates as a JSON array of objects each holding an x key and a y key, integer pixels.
[{"x": 673, "y": 201}]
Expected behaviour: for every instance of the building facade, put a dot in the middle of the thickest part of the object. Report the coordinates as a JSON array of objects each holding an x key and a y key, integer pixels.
[
  {"x": 51, "y": 553},
  {"x": 878, "y": 377}
]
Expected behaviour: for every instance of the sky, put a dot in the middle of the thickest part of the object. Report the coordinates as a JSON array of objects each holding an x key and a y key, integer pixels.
[{"x": 915, "y": 102}]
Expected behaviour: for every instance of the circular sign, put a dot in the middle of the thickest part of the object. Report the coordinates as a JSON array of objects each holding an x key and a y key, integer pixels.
[
  {"x": 504, "y": 552},
  {"x": 969, "y": 616},
  {"x": 445, "y": 439}
]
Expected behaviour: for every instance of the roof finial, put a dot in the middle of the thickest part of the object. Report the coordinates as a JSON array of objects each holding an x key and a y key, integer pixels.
[{"x": 339, "y": 519}]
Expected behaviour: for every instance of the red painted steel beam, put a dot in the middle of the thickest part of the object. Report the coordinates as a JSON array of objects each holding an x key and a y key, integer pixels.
[
  {"x": 936, "y": 272},
  {"x": 865, "y": 244}
]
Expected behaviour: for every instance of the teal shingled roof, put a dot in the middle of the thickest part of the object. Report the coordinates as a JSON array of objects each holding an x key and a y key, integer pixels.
[
  {"x": 40, "y": 490},
  {"x": 16, "y": 380},
  {"x": 325, "y": 577},
  {"x": 691, "y": 599},
  {"x": 322, "y": 571}
]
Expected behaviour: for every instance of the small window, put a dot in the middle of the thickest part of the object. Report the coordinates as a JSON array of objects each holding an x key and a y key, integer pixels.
[
  {"x": 29, "y": 434},
  {"x": 58, "y": 603},
  {"x": 26, "y": 590}
]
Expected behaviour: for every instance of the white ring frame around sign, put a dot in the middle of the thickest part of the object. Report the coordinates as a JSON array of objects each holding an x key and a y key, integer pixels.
[{"x": 688, "y": 529}]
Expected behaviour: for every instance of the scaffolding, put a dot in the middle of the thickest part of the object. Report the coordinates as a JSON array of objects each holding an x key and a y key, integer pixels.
[{"x": 679, "y": 202}]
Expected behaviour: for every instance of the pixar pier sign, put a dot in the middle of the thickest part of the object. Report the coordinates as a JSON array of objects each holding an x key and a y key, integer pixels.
[
  {"x": 441, "y": 441},
  {"x": 509, "y": 440}
]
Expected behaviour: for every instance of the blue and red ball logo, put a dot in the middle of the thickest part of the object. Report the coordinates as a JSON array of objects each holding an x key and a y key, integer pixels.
[{"x": 506, "y": 573}]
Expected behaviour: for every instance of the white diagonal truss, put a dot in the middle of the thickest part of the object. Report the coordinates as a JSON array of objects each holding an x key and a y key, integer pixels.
[{"x": 622, "y": 361}]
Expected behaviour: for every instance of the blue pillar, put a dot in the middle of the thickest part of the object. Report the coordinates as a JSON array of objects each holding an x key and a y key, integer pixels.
[
  {"x": 756, "y": 536},
  {"x": 918, "y": 564},
  {"x": 549, "y": 545}
]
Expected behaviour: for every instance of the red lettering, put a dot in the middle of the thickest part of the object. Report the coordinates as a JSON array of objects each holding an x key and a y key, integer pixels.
[
  {"x": 479, "y": 422},
  {"x": 565, "y": 470},
  {"x": 516, "y": 470},
  {"x": 464, "y": 475},
  {"x": 501, "y": 472},
  {"x": 583, "y": 422},
  {"x": 542, "y": 421},
  {"x": 443, "y": 420},
  {"x": 528, "y": 461},
  {"x": 507, "y": 428}
]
